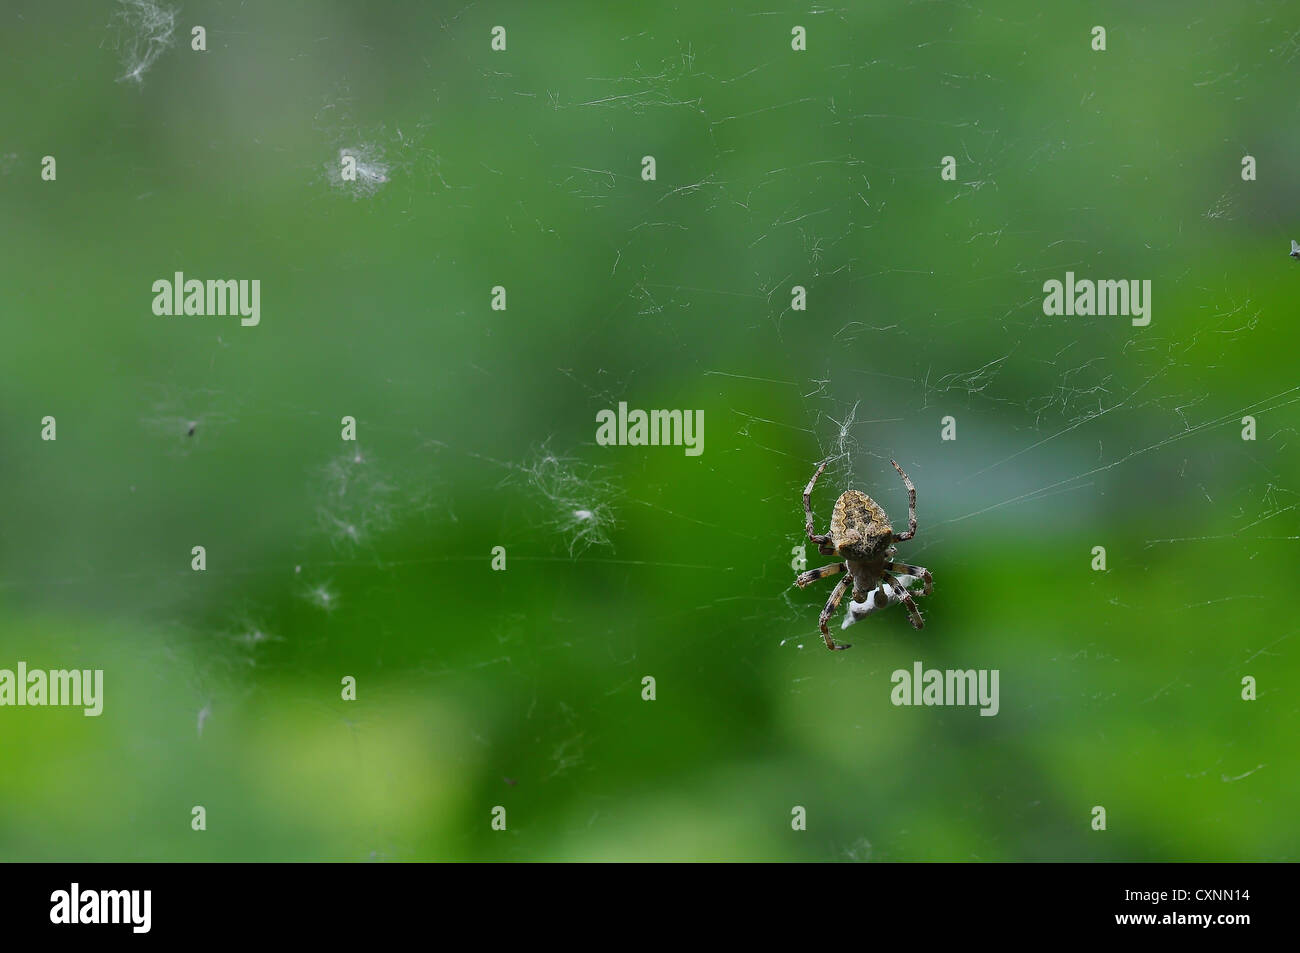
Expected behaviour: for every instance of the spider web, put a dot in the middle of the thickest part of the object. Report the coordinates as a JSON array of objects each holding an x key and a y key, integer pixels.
[{"x": 774, "y": 169}]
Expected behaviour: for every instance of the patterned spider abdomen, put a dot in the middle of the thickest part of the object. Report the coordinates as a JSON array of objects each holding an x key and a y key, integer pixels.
[{"x": 860, "y": 530}]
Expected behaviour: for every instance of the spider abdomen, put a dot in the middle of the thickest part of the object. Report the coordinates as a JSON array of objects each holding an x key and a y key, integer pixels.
[
  {"x": 865, "y": 576},
  {"x": 860, "y": 530}
]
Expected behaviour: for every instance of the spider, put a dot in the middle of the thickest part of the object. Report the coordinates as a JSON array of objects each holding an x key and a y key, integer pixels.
[{"x": 862, "y": 537}]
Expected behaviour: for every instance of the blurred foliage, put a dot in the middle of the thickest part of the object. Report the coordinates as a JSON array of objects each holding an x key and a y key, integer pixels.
[{"x": 523, "y": 688}]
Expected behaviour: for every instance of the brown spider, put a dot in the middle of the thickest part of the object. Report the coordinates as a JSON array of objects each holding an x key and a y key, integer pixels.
[{"x": 862, "y": 537}]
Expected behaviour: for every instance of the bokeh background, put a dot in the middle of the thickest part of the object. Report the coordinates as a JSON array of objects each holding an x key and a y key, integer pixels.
[{"x": 522, "y": 689}]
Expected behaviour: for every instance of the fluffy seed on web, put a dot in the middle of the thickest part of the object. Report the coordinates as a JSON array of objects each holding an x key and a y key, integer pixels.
[
  {"x": 146, "y": 30},
  {"x": 576, "y": 502}
]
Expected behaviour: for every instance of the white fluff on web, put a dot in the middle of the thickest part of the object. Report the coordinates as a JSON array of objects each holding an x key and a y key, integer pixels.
[
  {"x": 147, "y": 29},
  {"x": 370, "y": 170},
  {"x": 860, "y": 610},
  {"x": 577, "y": 501}
]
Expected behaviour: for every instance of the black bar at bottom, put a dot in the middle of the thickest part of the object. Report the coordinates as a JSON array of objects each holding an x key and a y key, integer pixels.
[{"x": 532, "y": 903}]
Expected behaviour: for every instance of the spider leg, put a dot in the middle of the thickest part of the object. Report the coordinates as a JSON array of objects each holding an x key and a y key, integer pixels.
[
  {"x": 812, "y": 575},
  {"x": 823, "y": 542},
  {"x": 911, "y": 505},
  {"x": 913, "y": 613},
  {"x": 919, "y": 571},
  {"x": 832, "y": 604}
]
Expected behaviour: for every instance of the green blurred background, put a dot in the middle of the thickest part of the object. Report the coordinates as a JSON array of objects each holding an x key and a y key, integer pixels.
[{"x": 476, "y": 429}]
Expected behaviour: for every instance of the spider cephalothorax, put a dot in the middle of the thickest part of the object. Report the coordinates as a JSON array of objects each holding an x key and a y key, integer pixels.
[{"x": 863, "y": 538}]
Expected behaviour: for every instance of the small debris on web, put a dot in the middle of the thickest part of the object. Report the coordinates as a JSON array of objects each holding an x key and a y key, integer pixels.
[
  {"x": 250, "y": 634},
  {"x": 357, "y": 499},
  {"x": 577, "y": 503},
  {"x": 359, "y": 170},
  {"x": 146, "y": 30},
  {"x": 364, "y": 157},
  {"x": 183, "y": 419},
  {"x": 322, "y": 597}
]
